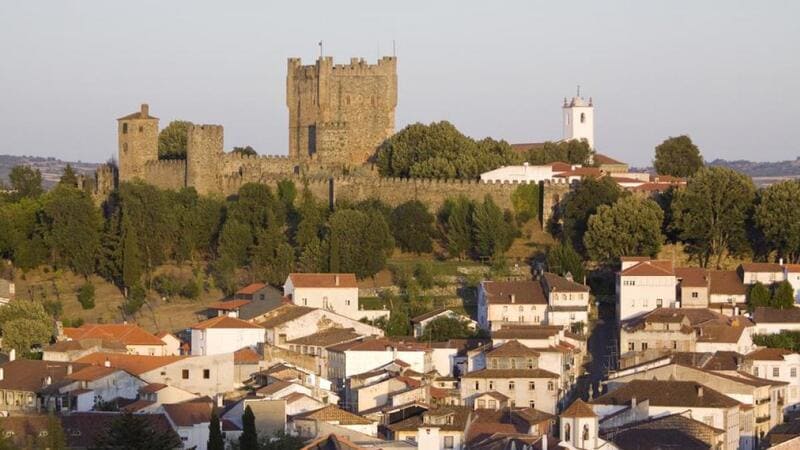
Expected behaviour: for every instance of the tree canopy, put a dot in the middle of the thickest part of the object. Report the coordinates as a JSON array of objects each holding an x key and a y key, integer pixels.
[
  {"x": 629, "y": 227},
  {"x": 173, "y": 139},
  {"x": 573, "y": 151},
  {"x": 26, "y": 181},
  {"x": 245, "y": 151},
  {"x": 412, "y": 227},
  {"x": 439, "y": 150},
  {"x": 778, "y": 217},
  {"x": 131, "y": 431},
  {"x": 563, "y": 259},
  {"x": 710, "y": 213},
  {"x": 444, "y": 328},
  {"x": 581, "y": 203},
  {"x": 360, "y": 242},
  {"x": 25, "y": 324},
  {"x": 678, "y": 156}
]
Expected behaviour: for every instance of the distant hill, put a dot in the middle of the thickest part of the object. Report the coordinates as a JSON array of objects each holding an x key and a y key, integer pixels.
[
  {"x": 51, "y": 168},
  {"x": 776, "y": 169}
]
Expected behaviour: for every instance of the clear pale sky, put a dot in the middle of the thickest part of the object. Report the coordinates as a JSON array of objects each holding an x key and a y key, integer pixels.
[{"x": 725, "y": 72}]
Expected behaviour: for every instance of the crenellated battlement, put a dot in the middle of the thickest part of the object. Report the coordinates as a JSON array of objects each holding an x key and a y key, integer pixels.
[
  {"x": 386, "y": 65},
  {"x": 165, "y": 164}
]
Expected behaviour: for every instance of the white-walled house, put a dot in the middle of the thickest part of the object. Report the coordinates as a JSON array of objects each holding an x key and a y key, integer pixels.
[
  {"x": 777, "y": 364},
  {"x": 136, "y": 340},
  {"x": 643, "y": 286},
  {"x": 791, "y": 272},
  {"x": 91, "y": 385},
  {"x": 287, "y": 323},
  {"x": 352, "y": 358},
  {"x": 173, "y": 344},
  {"x": 511, "y": 302},
  {"x": 225, "y": 334},
  {"x": 190, "y": 420},
  {"x": 337, "y": 292},
  {"x": 568, "y": 301},
  {"x": 764, "y": 273},
  {"x": 773, "y": 321}
]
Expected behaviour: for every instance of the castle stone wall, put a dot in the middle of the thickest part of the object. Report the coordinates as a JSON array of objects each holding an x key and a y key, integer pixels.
[
  {"x": 204, "y": 155},
  {"x": 166, "y": 174}
]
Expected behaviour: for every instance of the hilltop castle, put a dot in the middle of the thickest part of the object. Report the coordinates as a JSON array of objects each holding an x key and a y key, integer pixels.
[{"x": 338, "y": 115}]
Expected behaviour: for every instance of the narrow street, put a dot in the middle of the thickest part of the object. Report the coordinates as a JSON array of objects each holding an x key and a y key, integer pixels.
[{"x": 602, "y": 346}]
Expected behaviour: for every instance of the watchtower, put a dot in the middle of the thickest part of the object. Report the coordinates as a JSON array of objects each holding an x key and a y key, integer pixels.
[
  {"x": 340, "y": 113},
  {"x": 137, "y": 135},
  {"x": 579, "y": 119}
]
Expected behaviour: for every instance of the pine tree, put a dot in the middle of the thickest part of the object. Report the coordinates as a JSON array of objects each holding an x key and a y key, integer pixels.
[
  {"x": 248, "y": 440},
  {"x": 215, "y": 439},
  {"x": 69, "y": 178},
  {"x": 758, "y": 296}
]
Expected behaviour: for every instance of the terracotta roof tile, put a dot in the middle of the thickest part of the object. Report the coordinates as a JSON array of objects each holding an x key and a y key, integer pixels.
[
  {"x": 600, "y": 158},
  {"x": 283, "y": 314},
  {"x": 188, "y": 414},
  {"x": 376, "y": 344},
  {"x": 91, "y": 373},
  {"x": 82, "y": 429},
  {"x": 560, "y": 284},
  {"x": 137, "y": 406},
  {"x": 579, "y": 408},
  {"x": 726, "y": 282},
  {"x": 650, "y": 268},
  {"x": 510, "y": 373},
  {"x": 323, "y": 280},
  {"x": 152, "y": 387},
  {"x": 133, "y": 364},
  {"x": 251, "y": 288},
  {"x": 768, "y": 354},
  {"x": 324, "y": 338},
  {"x": 29, "y": 375},
  {"x": 761, "y": 267},
  {"x": 514, "y": 292},
  {"x": 332, "y": 413},
  {"x": 224, "y": 322},
  {"x": 764, "y": 314},
  {"x": 229, "y": 305},
  {"x": 692, "y": 276},
  {"x": 128, "y": 334},
  {"x": 511, "y": 348},
  {"x": 246, "y": 355},
  {"x": 428, "y": 315},
  {"x": 667, "y": 393},
  {"x": 526, "y": 332}
]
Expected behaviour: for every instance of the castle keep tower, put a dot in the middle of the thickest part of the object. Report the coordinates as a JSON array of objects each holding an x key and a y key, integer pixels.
[
  {"x": 137, "y": 135},
  {"x": 579, "y": 119},
  {"x": 339, "y": 114}
]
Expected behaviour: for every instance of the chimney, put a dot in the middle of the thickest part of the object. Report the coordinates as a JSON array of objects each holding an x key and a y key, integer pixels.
[
  {"x": 220, "y": 398},
  {"x": 633, "y": 402},
  {"x": 544, "y": 440},
  {"x": 2, "y": 374},
  {"x": 107, "y": 363},
  {"x": 568, "y": 276},
  {"x": 69, "y": 369},
  {"x": 336, "y": 280},
  {"x": 48, "y": 380},
  {"x": 780, "y": 261},
  {"x": 12, "y": 354},
  {"x": 699, "y": 390},
  {"x": 145, "y": 110},
  {"x": 513, "y": 298}
]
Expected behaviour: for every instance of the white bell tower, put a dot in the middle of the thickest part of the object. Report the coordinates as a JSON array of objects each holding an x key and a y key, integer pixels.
[{"x": 579, "y": 119}]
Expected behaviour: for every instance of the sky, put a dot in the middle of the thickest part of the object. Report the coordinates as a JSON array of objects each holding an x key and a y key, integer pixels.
[{"x": 725, "y": 72}]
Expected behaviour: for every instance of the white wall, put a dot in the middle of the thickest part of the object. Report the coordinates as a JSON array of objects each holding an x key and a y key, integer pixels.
[
  {"x": 341, "y": 300},
  {"x": 574, "y": 127},
  {"x": 195, "y": 436},
  {"x": 220, "y": 379},
  {"x": 443, "y": 360},
  {"x": 215, "y": 341},
  {"x": 643, "y": 295}
]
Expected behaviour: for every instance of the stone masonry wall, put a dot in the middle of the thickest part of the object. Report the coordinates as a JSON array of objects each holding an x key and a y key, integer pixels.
[{"x": 166, "y": 174}]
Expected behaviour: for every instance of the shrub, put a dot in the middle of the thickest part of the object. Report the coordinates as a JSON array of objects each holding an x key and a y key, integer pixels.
[
  {"x": 86, "y": 295},
  {"x": 53, "y": 307},
  {"x": 135, "y": 301},
  {"x": 190, "y": 290},
  {"x": 423, "y": 272},
  {"x": 166, "y": 285}
]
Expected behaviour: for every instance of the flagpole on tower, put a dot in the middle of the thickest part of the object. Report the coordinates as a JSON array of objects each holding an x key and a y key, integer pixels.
[{"x": 321, "y": 54}]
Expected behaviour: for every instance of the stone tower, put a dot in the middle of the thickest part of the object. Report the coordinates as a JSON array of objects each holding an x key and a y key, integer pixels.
[
  {"x": 204, "y": 154},
  {"x": 579, "y": 119},
  {"x": 339, "y": 114},
  {"x": 138, "y": 143}
]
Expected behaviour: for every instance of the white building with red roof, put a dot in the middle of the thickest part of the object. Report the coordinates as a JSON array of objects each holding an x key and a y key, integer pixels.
[
  {"x": 337, "y": 292},
  {"x": 225, "y": 334},
  {"x": 643, "y": 285},
  {"x": 136, "y": 340}
]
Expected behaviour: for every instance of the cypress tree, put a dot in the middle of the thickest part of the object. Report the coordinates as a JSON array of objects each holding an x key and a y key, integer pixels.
[
  {"x": 215, "y": 440},
  {"x": 248, "y": 440}
]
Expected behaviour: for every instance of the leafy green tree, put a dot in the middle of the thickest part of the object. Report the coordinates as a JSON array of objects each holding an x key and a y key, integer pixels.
[
  {"x": 423, "y": 273},
  {"x": 234, "y": 242},
  {"x": 172, "y": 140},
  {"x": 24, "y": 324},
  {"x": 245, "y": 151},
  {"x": 21, "y": 238},
  {"x": 248, "y": 440},
  {"x": 412, "y": 227},
  {"x": 777, "y": 215},
  {"x": 69, "y": 177},
  {"x": 215, "y": 439},
  {"x": 757, "y": 296},
  {"x": 287, "y": 193},
  {"x": 26, "y": 181},
  {"x": 398, "y": 324},
  {"x": 199, "y": 219},
  {"x": 311, "y": 220},
  {"x": 439, "y": 150},
  {"x": 563, "y": 259},
  {"x": 134, "y": 432},
  {"x": 455, "y": 219},
  {"x": 783, "y": 295},
  {"x": 272, "y": 256},
  {"x": 573, "y": 151},
  {"x": 581, "y": 203},
  {"x": 444, "y": 328},
  {"x": 789, "y": 340},
  {"x": 314, "y": 257},
  {"x": 132, "y": 265},
  {"x": 256, "y": 205},
  {"x": 86, "y": 295},
  {"x": 492, "y": 232},
  {"x": 711, "y": 212},
  {"x": 73, "y": 227},
  {"x": 678, "y": 156},
  {"x": 525, "y": 200},
  {"x": 629, "y": 227},
  {"x": 359, "y": 242}
]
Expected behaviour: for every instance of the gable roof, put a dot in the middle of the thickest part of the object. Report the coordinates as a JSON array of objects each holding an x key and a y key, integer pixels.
[
  {"x": 29, "y": 375},
  {"x": 726, "y": 282},
  {"x": 378, "y": 344},
  {"x": 650, "y": 268},
  {"x": 251, "y": 288},
  {"x": 510, "y": 373},
  {"x": 188, "y": 413},
  {"x": 327, "y": 337},
  {"x": 511, "y": 348},
  {"x": 506, "y": 421},
  {"x": 228, "y": 305},
  {"x": 579, "y": 408},
  {"x": 246, "y": 355},
  {"x": 526, "y": 331},
  {"x": 560, "y": 284},
  {"x": 283, "y": 314},
  {"x": 667, "y": 393},
  {"x": 128, "y": 334},
  {"x": 91, "y": 373},
  {"x": 761, "y": 267},
  {"x": 323, "y": 280},
  {"x": 764, "y": 314},
  {"x": 224, "y": 322},
  {"x": 428, "y": 315},
  {"x": 600, "y": 158},
  {"x": 768, "y": 354},
  {"x": 82, "y": 429},
  {"x": 692, "y": 276},
  {"x": 527, "y": 292},
  {"x": 333, "y": 413},
  {"x": 133, "y": 364}
]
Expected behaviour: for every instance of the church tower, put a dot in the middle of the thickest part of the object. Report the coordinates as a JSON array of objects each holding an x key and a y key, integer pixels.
[
  {"x": 137, "y": 135},
  {"x": 579, "y": 426},
  {"x": 579, "y": 119}
]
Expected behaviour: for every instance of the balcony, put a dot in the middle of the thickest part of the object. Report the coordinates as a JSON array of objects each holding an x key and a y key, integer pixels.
[{"x": 762, "y": 419}]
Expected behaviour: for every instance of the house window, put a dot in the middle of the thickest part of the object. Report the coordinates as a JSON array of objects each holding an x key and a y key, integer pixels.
[
  {"x": 185, "y": 374},
  {"x": 477, "y": 385},
  {"x": 755, "y": 371},
  {"x": 492, "y": 404},
  {"x": 521, "y": 319},
  {"x": 571, "y": 316},
  {"x": 644, "y": 303},
  {"x": 583, "y": 117},
  {"x": 206, "y": 374},
  {"x": 305, "y": 302},
  {"x": 674, "y": 345},
  {"x": 776, "y": 372},
  {"x": 567, "y": 432},
  {"x": 531, "y": 385},
  {"x": 261, "y": 297},
  {"x": 141, "y": 129},
  {"x": 550, "y": 386},
  {"x": 448, "y": 442},
  {"x": 510, "y": 385},
  {"x": 347, "y": 302},
  {"x": 629, "y": 283},
  {"x": 793, "y": 372},
  {"x": 644, "y": 346},
  {"x": 695, "y": 294},
  {"x": 124, "y": 128},
  {"x": 631, "y": 346},
  {"x": 659, "y": 302},
  {"x": 481, "y": 404},
  {"x": 532, "y": 404},
  {"x": 491, "y": 385}
]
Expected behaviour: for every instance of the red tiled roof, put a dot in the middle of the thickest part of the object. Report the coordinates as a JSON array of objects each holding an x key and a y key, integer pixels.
[
  {"x": 650, "y": 268},
  {"x": 600, "y": 158},
  {"x": 137, "y": 406},
  {"x": 516, "y": 292},
  {"x": 224, "y": 322},
  {"x": 323, "y": 280},
  {"x": 768, "y": 354},
  {"x": 333, "y": 413},
  {"x": 152, "y": 387},
  {"x": 579, "y": 408},
  {"x": 133, "y": 364},
  {"x": 246, "y": 355},
  {"x": 251, "y": 288},
  {"x": 726, "y": 282},
  {"x": 128, "y": 334},
  {"x": 692, "y": 276},
  {"x": 761, "y": 267},
  {"x": 91, "y": 373},
  {"x": 188, "y": 413},
  {"x": 229, "y": 305}
]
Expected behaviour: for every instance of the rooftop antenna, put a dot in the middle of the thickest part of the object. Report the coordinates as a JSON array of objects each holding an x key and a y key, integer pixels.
[
  {"x": 394, "y": 49},
  {"x": 320, "y": 49},
  {"x": 579, "y": 87}
]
